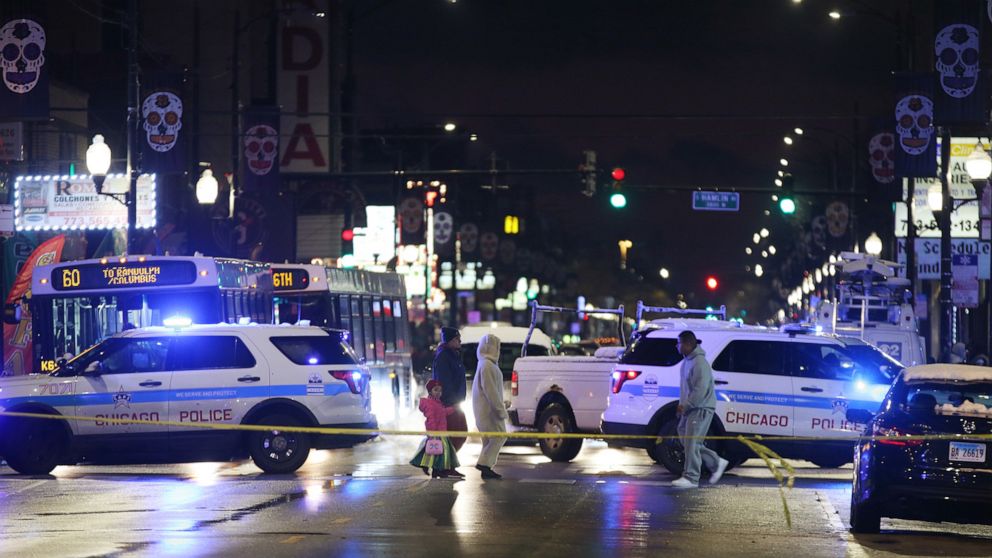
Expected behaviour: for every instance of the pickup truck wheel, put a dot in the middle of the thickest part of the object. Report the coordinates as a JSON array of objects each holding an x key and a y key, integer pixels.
[
  {"x": 37, "y": 448},
  {"x": 556, "y": 419},
  {"x": 279, "y": 451},
  {"x": 669, "y": 452}
]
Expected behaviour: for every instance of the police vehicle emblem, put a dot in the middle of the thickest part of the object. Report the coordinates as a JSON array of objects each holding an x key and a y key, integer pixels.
[
  {"x": 122, "y": 399},
  {"x": 840, "y": 406},
  {"x": 650, "y": 386},
  {"x": 315, "y": 384}
]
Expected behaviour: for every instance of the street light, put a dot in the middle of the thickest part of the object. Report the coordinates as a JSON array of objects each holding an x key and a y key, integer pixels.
[
  {"x": 787, "y": 140},
  {"x": 664, "y": 273},
  {"x": 798, "y": 131},
  {"x": 758, "y": 270},
  {"x": 98, "y": 161},
  {"x": 873, "y": 245},
  {"x": 206, "y": 188},
  {"x": 834, "y": 14},
  {"x": 784, "y": 162},
  {"x": 449, "y": 126},
  {"x": 764, "y": 233},
  {"x": 978, "y": 164},
  {"x": 935, "y": 197},
  {"x": 756, "y": 238}
]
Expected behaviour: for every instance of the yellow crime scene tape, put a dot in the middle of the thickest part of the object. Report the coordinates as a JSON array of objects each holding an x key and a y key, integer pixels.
[{"x": 782, "y": 471}]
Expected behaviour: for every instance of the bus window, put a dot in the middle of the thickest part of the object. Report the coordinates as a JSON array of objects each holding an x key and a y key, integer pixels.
[
  {"x": 357, "y": 329},
  {"x": 367, "y": 328},
  {"x": 377, "y": 329},
  {"x": 402, "y": 328},
  {"x": 388, "y": 325}
]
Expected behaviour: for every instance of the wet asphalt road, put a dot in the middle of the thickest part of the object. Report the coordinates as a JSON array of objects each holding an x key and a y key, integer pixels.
[{"x": 367, "y": 501}]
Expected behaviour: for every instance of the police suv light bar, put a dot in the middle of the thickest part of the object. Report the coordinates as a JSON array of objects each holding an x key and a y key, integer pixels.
[
  {"x": 535, "y": 308},
  {"x": 642, "y": 308}
]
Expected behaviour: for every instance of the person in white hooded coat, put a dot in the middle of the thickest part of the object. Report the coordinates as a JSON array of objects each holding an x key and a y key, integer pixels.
[{"x": 488, "y": 405}]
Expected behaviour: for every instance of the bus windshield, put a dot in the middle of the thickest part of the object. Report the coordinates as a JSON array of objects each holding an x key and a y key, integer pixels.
[{"x": 318, "y": 308}]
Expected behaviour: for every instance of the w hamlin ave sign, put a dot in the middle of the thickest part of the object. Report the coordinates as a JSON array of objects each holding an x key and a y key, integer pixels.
[{"x": 716, "y": 201}]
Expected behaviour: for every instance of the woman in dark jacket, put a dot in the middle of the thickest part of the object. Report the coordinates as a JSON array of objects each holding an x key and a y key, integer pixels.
[{"x": 450, "y": 371}]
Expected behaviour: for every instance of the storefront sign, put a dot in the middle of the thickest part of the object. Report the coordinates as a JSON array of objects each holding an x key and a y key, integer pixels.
[
  {"x": 964, "y": 293},
  {"x": 57, "y": 203},
  {"x": 928, "y": 255}
]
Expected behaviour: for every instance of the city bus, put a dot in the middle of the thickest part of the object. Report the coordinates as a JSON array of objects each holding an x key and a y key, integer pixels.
[
  {"x": 371, "y": 306},
  {"x": 76, "y": 304}
]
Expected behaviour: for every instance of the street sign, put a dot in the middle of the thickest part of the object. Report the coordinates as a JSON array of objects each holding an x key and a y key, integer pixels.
[
  {"x": 928, "y": 255},
  {"x": 6, "y": 219},
  {"x": 716, "y": 201},
  {"x": 11, "y": 141},
  {"x": 964, "y": 269}
]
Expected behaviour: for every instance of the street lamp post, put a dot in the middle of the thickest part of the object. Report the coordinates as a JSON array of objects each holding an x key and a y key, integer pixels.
[
  {"x": 873, "y": 245},
  {"x": 942, "y": 211},
  {"x": 979, "y": 168}
]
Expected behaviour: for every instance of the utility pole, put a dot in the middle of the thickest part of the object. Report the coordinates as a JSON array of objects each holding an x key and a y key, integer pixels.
[
  {"x": 133, "y": 121},
  {"x": 946, "y": 308}
]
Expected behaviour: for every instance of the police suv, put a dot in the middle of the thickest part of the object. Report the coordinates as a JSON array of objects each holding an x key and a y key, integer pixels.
[
  {"x": 184, "y": 376},
  {"x": 792, "y": 382}
]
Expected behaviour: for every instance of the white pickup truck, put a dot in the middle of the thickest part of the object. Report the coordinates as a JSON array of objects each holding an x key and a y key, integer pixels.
[{"x": 558, "y": 394}]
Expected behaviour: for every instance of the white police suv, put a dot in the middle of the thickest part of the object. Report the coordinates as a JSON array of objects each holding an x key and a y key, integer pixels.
[
  {"x": 225, "y": 374},
  {"x": 789, "y": 383}
]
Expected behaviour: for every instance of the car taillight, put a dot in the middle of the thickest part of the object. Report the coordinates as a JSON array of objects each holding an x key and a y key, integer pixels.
[
  {"x": 621, "y": 376},
  {"x": 894, "y": 432},
  {"x": 514, "y": 384},
  {"x": 351, "y": 377}
]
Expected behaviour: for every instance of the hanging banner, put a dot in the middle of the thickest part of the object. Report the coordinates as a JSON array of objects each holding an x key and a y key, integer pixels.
[
  {"x": 468, "y": 236},
  {"x": 260, "y": 149},
  {"x": 916, "y": 145},
  {"x": 412, "y": 225},
  {"x": 964, "y": 291},
  {"x": 488, "y": 246},
  {"x": 304, "y": 85},
  {"x": 960, "y": 96},
  {"x": 163, "y": 143},
  {"x": 881, "y": 158},
  {"x": 17, "y": 337},
  {"x": 24, "y": 93},
  {"x": 58, "y": 203},
  {"x": 444, "y": 235}
]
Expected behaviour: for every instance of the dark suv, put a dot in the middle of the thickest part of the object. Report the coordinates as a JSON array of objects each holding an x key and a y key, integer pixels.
[{"x": 944, "y": 476}]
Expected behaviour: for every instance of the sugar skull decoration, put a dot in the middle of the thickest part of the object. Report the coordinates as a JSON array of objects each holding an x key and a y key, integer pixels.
[
  {"x": 261, "y": 144},
  {"x": 489, "y": 246},
  {"x": 881, "y": 157},
  {"x": 914, "y": 123},
  {"x": 163, "y": 115},
  {"x": 838, "y": 216},
  {"x": 444, "y": 225},
  {"x": 468, "y": 234},
  {"x": 956, "y": 49},
  {"x": 22, "y": 54},
  {"x": 411, "y": 215}
]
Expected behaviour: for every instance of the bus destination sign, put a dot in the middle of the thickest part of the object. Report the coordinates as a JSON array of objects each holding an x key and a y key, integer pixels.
[
  {"x": 289, "y": 279},
  {"x": 123, "y": 275}
]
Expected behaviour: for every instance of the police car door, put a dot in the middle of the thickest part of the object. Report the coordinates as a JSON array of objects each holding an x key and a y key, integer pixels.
[
  {"x": 821, "y": 380},
  {"x": 217, "y": 379},
  {"x": 126, "y": 378},
  {"x": 753, "y": 387}
]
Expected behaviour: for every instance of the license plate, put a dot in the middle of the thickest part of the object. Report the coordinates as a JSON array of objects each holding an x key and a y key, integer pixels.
[{"x": 963, "y": 451}]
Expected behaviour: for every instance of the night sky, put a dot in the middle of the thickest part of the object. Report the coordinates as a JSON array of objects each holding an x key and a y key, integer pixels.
[{"x": 678, "y": 93}]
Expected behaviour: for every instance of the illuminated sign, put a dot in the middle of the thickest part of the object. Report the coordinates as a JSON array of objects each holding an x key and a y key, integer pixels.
[
  {"x": 70, "y": 202},
  {"x": 123, "y": 275},
  {"x": 285, "y": 279}
]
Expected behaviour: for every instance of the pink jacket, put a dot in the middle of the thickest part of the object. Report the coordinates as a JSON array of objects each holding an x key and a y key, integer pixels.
[{"x": 436, "y": 413}]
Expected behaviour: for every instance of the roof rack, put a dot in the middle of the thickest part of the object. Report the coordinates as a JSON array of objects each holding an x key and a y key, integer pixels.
[
  {"x": 535, "y": 308},
  {"x": 642, "y": 308}
]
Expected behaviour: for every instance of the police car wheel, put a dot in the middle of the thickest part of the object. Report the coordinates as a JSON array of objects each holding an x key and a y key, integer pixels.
[
  {"x": 279, "y": 451},
  {"x": 556, "y": 419},
  {"x": 38, "y": 449},
  {"x": 669, "y": 452}
]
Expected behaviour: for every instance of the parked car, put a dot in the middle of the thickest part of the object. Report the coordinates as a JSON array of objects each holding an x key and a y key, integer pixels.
[{"x": 932, "y": 479}]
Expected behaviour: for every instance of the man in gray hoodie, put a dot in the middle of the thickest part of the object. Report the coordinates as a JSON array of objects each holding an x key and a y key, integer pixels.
[{"x": 697, "y": 402}]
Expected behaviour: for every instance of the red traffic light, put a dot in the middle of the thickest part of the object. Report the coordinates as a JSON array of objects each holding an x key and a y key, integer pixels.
[
  {"x": 712, "y": 283},
  {"x": 348, "y": 235},
  {"x": 618, "y": 174}
]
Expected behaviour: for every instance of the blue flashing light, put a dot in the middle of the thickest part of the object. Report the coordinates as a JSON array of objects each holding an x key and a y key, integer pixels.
[
  {"x": 177, "y": 322},
  {"x": 861, "y": 385},
  {"x": 356, "y": 376},
  {"x": 312, "y": 360}
]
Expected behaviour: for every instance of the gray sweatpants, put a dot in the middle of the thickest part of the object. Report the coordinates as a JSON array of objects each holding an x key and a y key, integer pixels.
[{"x": 696, "y": 422}]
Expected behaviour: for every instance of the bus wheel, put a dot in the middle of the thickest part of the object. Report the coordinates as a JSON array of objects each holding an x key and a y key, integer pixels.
[{"x": 279, "y": 451}]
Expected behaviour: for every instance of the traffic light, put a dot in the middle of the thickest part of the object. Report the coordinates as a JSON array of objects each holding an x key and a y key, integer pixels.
[
  {"x": 588, "y": 168},
  {"x": 787, "y": 201},
  {"x": 617, "y": 199},
  {"x": 712, "y": 283},
  {"x": 347, "y": 236},
  {"x": 511, "y": 224}
]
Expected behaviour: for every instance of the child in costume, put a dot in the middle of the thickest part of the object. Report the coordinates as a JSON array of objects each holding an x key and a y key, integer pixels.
[{"x": 435, "y": 453}]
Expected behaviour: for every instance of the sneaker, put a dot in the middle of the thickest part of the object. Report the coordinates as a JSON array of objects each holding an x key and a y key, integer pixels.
[
  {"x": 488, "y": 473},
  {"x": 454, "y": 473},
  {"x": 720, "y": 468},
  {"x": 683, "y": 482}
]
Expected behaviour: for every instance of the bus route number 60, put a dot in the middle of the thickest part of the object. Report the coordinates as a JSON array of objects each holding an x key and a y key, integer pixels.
[{"x": 70, "y": 278}]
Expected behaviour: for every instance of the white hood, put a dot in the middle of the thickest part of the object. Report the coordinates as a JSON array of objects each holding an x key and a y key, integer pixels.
[{"x": 488, "y": 348}]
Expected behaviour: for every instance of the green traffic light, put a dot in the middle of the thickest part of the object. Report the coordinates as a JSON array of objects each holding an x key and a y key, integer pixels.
[
  {"x": 787, "y": 205},
  {"x": 618, "y": 200}
]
